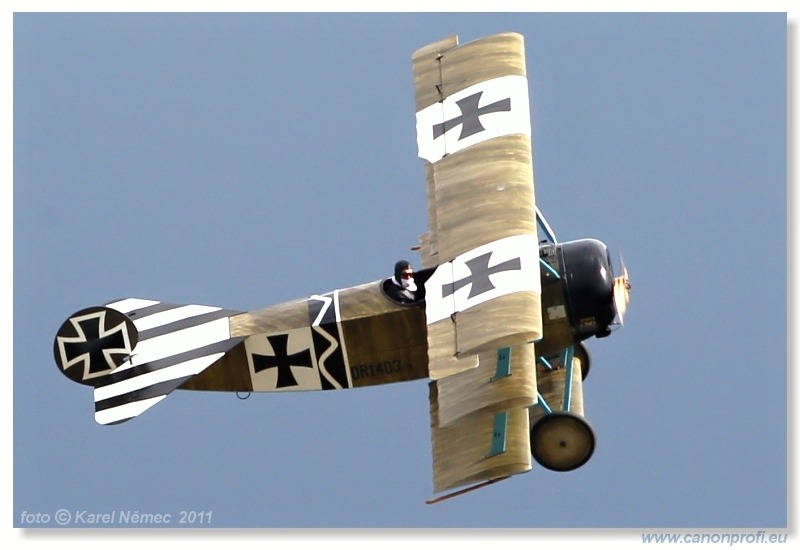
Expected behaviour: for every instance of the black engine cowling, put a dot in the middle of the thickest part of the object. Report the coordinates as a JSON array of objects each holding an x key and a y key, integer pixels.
[{"x": 587, "y": 278}]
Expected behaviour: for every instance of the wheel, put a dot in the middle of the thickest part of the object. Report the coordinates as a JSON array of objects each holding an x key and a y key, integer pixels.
[
  {"x": 562, "y": 441},
  {"x": 582, "y": 353}
]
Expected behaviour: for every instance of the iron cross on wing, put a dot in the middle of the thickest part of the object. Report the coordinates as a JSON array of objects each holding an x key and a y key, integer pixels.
[
  {"x": 470, "y": 116},
  {"x": 479, "y": 275}
]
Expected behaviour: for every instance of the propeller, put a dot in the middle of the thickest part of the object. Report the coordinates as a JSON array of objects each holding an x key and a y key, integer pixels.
[{"x": 622, "y": 291}]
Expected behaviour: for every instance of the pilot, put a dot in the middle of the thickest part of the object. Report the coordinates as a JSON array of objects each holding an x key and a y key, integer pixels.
[{"x": 401, "y": 287}]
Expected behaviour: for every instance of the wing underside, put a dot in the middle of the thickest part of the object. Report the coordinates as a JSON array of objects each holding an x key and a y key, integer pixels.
[{"x": 479, "y": 419}]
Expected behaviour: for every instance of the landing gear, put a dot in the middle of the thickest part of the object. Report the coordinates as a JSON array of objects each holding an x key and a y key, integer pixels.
[
  {"x": 562, "y": 441},
  {"x": 561, "y": 438}
]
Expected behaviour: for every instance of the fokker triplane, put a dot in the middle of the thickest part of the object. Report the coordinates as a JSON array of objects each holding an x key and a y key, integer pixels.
[{"x": 497, "y": 323}]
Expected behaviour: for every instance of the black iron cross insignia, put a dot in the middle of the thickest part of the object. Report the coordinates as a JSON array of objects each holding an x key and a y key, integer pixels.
[
  {"x": 95, "y": 343},
  {"x": 479, "y": 272},
  {"x": 470, "y": 116},
  {"x": 282, "y": 360}
]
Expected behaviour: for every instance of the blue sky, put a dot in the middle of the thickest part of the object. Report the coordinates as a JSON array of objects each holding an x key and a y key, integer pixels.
[{"x": 242, "y": 160}]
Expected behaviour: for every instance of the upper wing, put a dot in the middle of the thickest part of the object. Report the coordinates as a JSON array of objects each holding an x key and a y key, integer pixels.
[
  {"x": 473, "y": 130},
  {"x": 483, "y": 301}
]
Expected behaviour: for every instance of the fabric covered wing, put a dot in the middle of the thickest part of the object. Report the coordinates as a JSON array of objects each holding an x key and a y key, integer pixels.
[
  {"x": 479, "y": 419},
  {"x": 483, "y": 300},
  {"x": 473, "y": 132}
]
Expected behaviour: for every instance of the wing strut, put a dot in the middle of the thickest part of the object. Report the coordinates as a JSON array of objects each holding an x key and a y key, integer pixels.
[
  {"x": 467, "y": 490},
  {"x": 548, "y": 231}
]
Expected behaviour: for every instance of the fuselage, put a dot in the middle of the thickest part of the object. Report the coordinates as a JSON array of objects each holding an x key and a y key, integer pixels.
[{"x": 358, "y": 336}]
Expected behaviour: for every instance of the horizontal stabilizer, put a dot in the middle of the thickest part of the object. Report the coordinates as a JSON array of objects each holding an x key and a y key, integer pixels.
[{"x": 135, "y": 352}]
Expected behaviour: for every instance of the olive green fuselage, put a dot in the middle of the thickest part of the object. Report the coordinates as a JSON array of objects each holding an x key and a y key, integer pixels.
[{"x": 348, "y": 338}]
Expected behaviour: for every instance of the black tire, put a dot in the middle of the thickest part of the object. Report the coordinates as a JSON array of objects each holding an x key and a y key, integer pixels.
[{"x": 582, "y": 352}]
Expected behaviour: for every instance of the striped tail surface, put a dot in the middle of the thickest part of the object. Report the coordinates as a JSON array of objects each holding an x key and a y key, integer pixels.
[{"x": 134, "y": 352}]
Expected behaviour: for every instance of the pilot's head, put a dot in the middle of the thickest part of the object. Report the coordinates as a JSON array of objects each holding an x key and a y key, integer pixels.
[{"x": 403, "y": 273}]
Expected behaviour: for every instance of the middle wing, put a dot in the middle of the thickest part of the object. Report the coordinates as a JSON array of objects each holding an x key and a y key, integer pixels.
[{"x": 483, "y": 301}]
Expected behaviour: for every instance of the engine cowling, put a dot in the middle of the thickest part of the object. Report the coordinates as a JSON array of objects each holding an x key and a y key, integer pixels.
[{"x": 585, "y": 278}]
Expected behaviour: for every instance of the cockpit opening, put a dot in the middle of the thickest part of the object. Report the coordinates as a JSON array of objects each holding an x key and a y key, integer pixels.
[{"x": 406, "y": 287}]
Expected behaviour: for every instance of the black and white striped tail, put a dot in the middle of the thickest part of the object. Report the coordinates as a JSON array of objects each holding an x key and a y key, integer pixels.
[{"x": 135, "y": 352}]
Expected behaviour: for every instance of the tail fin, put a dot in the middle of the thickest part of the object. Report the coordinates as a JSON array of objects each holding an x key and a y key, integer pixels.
[{"x": 135, "y": 352}]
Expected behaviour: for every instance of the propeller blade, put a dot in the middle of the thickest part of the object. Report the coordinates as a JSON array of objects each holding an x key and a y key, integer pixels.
[{"x": 622, "y": 292}]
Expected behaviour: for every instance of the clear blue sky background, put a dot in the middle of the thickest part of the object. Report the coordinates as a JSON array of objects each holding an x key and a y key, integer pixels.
[{"x": 242, "y": 160}]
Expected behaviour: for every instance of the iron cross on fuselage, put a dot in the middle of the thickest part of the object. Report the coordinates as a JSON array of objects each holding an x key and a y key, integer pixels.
[{"x": 282, "y": 360}]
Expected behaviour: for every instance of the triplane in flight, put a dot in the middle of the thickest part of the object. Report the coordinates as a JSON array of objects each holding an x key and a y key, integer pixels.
[{"x": 497, "y": 323}]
